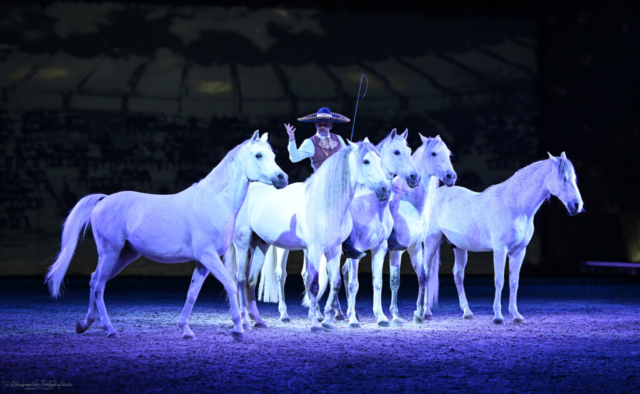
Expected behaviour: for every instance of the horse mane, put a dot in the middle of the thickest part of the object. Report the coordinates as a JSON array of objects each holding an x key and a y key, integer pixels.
[
  {"x": 329, "y": 191},
  {"x": 563, "y": 166},
  {"x": 220, "y": 176}
]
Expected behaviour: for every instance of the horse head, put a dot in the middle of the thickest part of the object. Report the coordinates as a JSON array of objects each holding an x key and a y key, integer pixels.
[
  {"x": 436, "y": 157},
  {"x": 396, "y": 158},
  {"x": 366, "y": 169},
  {"x": 259, "y": 162},
  {"x": 562, "y": 183}
]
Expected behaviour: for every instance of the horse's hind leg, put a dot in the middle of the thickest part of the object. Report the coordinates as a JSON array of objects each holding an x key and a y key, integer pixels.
[
  {"x": 199, "y": 275},
  {"x": 255, "y": 266},
  {"x": 458, "y": 275},
  {"x": 281, "y": 275},
  {"x": 499, "y": 257},
  {"x": 395, "y": 259},
  {"x": 515, "y": 262},
  {"x": 125, "y": 258},
  {"x": 107, "y": 262}
]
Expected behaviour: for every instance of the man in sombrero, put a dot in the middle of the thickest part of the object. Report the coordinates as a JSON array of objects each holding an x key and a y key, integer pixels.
[{"x": 319, "y": 148}]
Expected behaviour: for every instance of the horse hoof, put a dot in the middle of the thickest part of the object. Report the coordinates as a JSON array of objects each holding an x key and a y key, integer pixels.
[
  {"x": 285, "y": 320},
  {"x": 468, "y": 317},
  {"x": 417, "y": 319},
  {"x": 328, "y": 326},
  {"x": 383, "y": 323},
  {"x": 498, "y": 320},
  {"x": 114, "y": 334},
  {"x": 519, "y": 320},
  {"x": 397, "y": 322},
  {"x": 355, "y": 325},
  {"x": 260, "y": 325},
  {"x": 238, "y": 336},
  {"x": 340, "y": 317},
  {"x": 316, "y": 329},
  {"x": 247, "y": 326},
  {"x": 80, "y": 328},
  {"x": 188, "y": 336}
]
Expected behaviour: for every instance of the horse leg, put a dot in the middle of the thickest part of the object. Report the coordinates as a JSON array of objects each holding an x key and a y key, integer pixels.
[
  {"x": 377, "y": 262},
  {"x": 333, "y": 269},
  {"x": 242, "y": 247},
  {"x": 125, "y": 258},
  {"x": 211, "y": 261},
  {"x": 418, "y": 265},
  {"x": 499, "y": 257},
  {"x": 458, "y": 276},
  {"x": 515, "y": 263},
  {"x": 281, "y": 275},
  {"x": 313, "y": 287},
  {"x": 395, "y": 259},
  {"x": 199, "y": 275},
  {"x": 351, "y": 287},
  {"x": 255, "y": 266},
  {"x": 106, "y": 263}
]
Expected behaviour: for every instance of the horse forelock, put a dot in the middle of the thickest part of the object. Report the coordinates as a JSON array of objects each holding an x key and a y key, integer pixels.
[
  {"x": 565, "y": 168},
  {"x": 427, "y": 147}
]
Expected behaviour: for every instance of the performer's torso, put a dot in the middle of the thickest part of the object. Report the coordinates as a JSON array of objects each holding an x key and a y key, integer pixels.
[{"x": 321, "y": 151}]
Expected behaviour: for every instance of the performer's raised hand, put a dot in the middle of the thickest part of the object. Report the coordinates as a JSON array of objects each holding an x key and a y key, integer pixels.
[{"x": 291, "y": 131}]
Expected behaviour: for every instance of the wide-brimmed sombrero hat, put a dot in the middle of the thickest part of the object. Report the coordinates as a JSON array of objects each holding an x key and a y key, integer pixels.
[{"x": 325, "y": 114}]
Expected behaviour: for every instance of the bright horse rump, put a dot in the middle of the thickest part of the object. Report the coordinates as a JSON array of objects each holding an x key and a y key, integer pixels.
[{"x": 195, "y": 224}]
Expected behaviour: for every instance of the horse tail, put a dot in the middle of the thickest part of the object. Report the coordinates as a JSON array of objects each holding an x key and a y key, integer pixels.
[
  {"x": 434, "y": 279},
  {"x": 78, "y": 220},
  {"x": 268, "y": 286},
  {"x": 323, "y": 281}
]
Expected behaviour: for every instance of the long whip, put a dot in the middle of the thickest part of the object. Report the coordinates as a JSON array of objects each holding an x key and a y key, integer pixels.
[{"x": 366, "y": 89}]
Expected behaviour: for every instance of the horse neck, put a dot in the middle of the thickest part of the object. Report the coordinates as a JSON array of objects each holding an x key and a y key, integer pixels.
[
  {"x": 527, "y": 189},
  {"x": 232, "y": 193}
]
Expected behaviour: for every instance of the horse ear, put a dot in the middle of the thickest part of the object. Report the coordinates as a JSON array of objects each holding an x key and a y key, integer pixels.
[
  {"x": 393, "y": 134},
  {"x": 554, "y": 159},
  {"x": 366, "y": 139},
  {"x": 353, "y": 145},
  {"x": 405, "y": 134},
  {"x": 255, "y": 136},
  {"x": 423, "y": 138},
  {"x": 438, "y": 137},
  {"x": 563, "y": 155},
  {"x": 265, "y": 137}
]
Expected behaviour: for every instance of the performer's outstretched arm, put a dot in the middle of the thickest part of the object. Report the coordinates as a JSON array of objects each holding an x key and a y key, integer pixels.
[{"x": 306, "y": 150}]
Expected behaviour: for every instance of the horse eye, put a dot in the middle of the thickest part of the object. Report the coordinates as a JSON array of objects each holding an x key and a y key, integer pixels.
[
  {"x": 366, "y": 162},
  {"x": 433, "y": 153},
  {"x": 396, "y": 152},
  {"x": 259, "y": 156}
]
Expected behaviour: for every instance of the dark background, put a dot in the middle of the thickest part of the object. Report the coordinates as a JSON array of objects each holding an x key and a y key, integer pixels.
[{"x": 566, "y": 81}]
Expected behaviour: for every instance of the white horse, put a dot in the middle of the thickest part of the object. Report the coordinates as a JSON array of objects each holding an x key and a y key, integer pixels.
[
  {"x": 195, "y": 224},
  {"x": 372, "y": 225},
  {"x": 500, "y": 219},
  {"x": 312, "y": 216},
  {"x": 411, "y": 218}
]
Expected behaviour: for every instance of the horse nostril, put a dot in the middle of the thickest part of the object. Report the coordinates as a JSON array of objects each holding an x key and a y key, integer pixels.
[
  {"x": 448, "y": 176},
  {"x": 280, "y": 176},
  {"x": 576, "y": 205},
  {"x": 413, "y": 177},
  {"x": 384, "y": 189}
]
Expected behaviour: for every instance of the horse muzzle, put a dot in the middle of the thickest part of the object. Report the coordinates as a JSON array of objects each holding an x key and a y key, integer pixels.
[
  {"x": 383, "y": 193},
  {"x": 450, "y": 178},
  {"x": 574, "y": 207},
  {"x": 280, "y": 181},
  {"x": 413, "y": 180}
]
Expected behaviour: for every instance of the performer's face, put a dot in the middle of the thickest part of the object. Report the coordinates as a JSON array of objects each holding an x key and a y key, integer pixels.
[{"x": 324, "y": 127}]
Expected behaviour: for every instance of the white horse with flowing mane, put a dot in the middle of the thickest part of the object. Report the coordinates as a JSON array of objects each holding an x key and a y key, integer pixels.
[
  {"x": 195, "y": 224},
  {"x": 312, "y": 216},
  {"x": 411, "y": 221},
  {"x": 372, "y": 224},
  {"x": 500, "y": 219}
]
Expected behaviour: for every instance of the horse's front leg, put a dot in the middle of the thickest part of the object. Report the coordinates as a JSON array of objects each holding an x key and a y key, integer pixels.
[
  {"x": 351, "y": 286},
  {"x": 281, "y": 275},
  {"x": 515, "y": 263},
  {"x": 333, "y": 269},
  {"x": 395, "y": 259},
  {"x": 418, "y": 265},
  {"x": 255, "y": 266},
  {"x": 199, "y": 275},
  {"x": 458, "y": 276},
  {"x": 310, "y": 274},
  {"x": 211, "y": 261},
  {"x": 499, "y": 257},
  {"x": 377, "y": 261},
  {"x": 242, "y": 264}
]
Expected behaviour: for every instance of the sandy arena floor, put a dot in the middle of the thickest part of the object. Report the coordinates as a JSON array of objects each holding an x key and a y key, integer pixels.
[{"x": 581, "y": 335}]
